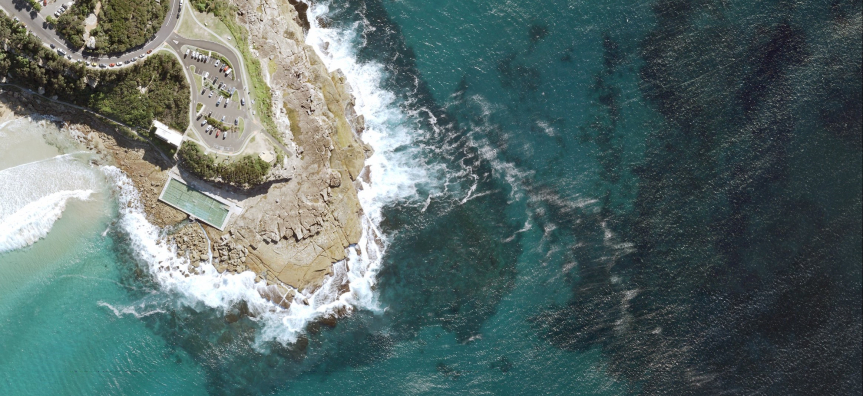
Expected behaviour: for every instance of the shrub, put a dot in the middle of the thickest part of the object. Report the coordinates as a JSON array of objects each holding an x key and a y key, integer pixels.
[
  {"x": 36, "y": 5},
  {"x": 126, "y": 24},
  {"x": 195, "y": 161},
  {"x": 249, "y": 170},
  {"x": 70, "y": 25}
]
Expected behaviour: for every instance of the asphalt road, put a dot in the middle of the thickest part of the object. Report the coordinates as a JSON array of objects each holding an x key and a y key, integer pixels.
[
  {"x": 228, "y": 144},
  {"x": 35, "y": 23}
]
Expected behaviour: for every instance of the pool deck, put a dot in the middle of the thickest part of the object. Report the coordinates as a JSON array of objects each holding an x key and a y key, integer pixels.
[{"x": 231, "y": 207}]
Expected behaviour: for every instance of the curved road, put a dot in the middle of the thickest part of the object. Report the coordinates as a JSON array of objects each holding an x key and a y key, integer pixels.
[
  {"x": 35, "y": 23},
  {"x": 231, "y": 145}
]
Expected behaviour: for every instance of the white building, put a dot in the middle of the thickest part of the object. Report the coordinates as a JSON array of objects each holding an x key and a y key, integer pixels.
[{"x": 167, "y": 134}]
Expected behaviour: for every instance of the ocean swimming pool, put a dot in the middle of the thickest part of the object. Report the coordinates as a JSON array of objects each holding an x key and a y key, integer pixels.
[{"x": 195, "y": 203}]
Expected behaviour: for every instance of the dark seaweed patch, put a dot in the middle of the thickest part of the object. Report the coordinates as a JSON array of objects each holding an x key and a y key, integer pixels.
[{"x": 742, "y": 276}]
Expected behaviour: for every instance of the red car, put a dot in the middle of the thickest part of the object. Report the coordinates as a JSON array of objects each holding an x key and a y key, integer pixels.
[
  {"x": 217, "y": 133},
  {"x": 112, "y": 65},
  {"x": 149, "y": 51}
]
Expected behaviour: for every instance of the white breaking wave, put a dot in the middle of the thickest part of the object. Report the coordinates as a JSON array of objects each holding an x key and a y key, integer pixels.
[
  {"x": 211, "y": 289},
  {"x": 129, "y": 310},
  {"x": 34, "y": 195},
  {"x": 32, "y": 222},
  {"x": 398, "y": 170},
  {"x": 397, "y": 174}
]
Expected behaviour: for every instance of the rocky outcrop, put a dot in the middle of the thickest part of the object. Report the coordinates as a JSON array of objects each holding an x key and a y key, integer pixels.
[
  {"x": 142, "y": 163},
  {"x": 293, "y": 233},
  {"x": 192, "y": 243},
  {"x": 299, "y": 228}
]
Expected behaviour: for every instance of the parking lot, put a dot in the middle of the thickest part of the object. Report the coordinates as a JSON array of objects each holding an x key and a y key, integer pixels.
[{"x": 222, "y": 120}]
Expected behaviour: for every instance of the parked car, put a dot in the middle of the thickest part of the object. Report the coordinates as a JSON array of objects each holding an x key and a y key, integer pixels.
[
  {"x": 112, "y": 65},
  {"x": 149, "y": 51},
  {"x": 242, "y": 101},
  {"x": 237, "y": 121},
  {"x": 223, "y": 118},
  {"x": 211, "y": 94},
  {"x": 203, "y": 122},
  {"x": 217, "y": 62}
]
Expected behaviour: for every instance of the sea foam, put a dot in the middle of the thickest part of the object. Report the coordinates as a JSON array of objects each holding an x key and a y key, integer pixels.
[
  {"x": 34, "y": 195},
  {"x": 397, "y": 174},
  {"x": 33, "y": 222}
]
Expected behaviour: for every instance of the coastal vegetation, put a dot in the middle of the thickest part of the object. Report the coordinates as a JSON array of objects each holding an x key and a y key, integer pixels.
[
  {"x": 122, "y": 24},
  {"x": 154, "y": 88},
  {"x": 35, "y": 4},
  {"x": 249, "y": 170},
  {"x": 70, "y": 25},
  {"x": 258, "y": 88}
]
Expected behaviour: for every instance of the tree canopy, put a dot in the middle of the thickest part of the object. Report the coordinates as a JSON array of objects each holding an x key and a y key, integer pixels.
[{"x": 155, "y": 88}]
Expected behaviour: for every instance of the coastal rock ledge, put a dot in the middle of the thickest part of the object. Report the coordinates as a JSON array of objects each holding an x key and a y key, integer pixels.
[
  {"x": 297, "y": 230},
  {"x": 291, "y": 232}
]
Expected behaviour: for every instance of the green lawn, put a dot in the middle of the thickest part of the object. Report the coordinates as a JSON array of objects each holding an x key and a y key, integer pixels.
[
  {"x": 191, "y": 29},
  {"x": 213, "y": 23}
]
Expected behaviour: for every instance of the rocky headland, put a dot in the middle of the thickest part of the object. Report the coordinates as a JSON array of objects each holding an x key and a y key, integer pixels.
[
  {"x": 291, "y": 232},
  {"x": 295, "y": 231}
]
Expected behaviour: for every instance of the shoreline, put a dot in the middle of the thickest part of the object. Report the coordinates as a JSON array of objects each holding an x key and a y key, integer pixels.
[
  {"x": 148, "y": 172},
  {"x": 297, "y": 236}
]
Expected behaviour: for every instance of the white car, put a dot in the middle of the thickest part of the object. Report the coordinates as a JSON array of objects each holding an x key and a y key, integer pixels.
[{"x": 203, "y": 122}]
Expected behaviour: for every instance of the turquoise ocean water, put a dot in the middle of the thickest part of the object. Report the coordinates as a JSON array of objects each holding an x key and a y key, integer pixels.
[{"x": 572, "y": 198}]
